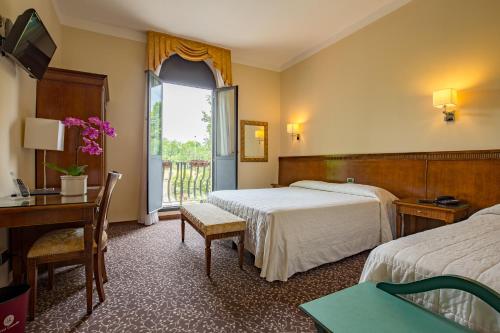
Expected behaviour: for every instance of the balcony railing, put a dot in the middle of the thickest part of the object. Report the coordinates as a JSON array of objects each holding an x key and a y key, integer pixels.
[{"x": 185, "y": 182}]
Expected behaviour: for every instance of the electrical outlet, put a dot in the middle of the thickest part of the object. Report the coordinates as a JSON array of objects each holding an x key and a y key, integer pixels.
[{"x": 350, "y": 180}]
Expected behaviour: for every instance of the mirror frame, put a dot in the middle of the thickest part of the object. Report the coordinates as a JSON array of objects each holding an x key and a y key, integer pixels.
[{"x": 243, "y": 158}]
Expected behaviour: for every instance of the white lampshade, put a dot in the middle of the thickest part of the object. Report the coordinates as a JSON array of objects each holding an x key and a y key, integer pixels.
[
  {"x": 259, "y": 134},
  {"x": 44, "y": 134},
  {"x": 444, "y": 98},
  {"x": 292, "y": 128}
]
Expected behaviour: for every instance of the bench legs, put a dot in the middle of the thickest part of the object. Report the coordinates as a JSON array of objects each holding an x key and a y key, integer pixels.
[
  {"x": 208, "y": 243},
  {"x": 208, "y": 255},
  {"x": 183, "y": 227}
]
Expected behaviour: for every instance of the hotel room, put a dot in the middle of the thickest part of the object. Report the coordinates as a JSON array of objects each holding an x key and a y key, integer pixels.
[{"x": 250, "y": 166}]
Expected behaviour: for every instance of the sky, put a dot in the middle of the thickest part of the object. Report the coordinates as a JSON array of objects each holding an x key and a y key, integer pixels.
[{"x": 182, "y": 108}]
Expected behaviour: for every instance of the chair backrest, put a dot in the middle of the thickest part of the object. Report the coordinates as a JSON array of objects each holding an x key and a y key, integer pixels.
[{"x": 103, "y": 201}]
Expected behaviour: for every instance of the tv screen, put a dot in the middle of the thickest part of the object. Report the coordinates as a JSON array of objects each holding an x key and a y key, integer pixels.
[{"x": 30, "y": 44}]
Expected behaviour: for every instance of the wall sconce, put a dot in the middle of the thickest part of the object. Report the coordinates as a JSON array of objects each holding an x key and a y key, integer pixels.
[
  {"x": 446, "y": 100},
  {"x": 259, "y": 135},
  {"x": 293, "y": 130}
]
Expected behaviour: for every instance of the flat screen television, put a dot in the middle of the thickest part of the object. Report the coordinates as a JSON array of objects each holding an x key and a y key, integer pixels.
[{"x": 30, "y": 44}]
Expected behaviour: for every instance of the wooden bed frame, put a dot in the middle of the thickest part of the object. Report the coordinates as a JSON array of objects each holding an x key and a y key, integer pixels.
[{"x": 469, "y": 175}]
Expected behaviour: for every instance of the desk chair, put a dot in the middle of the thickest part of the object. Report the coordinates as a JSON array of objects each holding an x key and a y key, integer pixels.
[{"x": 67, "y": 246}]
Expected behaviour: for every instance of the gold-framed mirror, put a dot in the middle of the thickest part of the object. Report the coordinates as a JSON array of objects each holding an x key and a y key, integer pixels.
[{"x": 253, "y": 141}]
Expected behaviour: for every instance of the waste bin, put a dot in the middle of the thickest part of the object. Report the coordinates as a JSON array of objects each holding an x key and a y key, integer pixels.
[{"x": 13, "y": 308}]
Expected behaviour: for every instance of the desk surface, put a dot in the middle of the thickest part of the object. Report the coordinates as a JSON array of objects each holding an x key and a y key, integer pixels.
[
  {"x": 365, "y": 308},
  {"x": 49, "y": 201}
]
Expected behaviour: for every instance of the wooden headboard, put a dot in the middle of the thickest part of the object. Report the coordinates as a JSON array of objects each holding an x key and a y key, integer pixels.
[{"x": 469, "y": 175}]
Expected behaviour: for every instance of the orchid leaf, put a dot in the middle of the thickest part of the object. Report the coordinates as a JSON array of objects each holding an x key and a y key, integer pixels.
[
  {"x": 56, "y": 168},
  {"x": 76, "y": 170}
]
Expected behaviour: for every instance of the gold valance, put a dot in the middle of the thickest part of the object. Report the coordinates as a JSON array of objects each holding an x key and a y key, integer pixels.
[{"x": 160, "y": 46}]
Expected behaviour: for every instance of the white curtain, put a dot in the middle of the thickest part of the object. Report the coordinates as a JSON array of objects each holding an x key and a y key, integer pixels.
[
  {"x": 225, "y": 119},
  {"x": 219, "y": 81},
  {"x": 224, "y": 115}
]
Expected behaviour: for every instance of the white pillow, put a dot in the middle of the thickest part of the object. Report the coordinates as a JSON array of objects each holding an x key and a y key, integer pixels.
[{"x": 346, "y": 188}]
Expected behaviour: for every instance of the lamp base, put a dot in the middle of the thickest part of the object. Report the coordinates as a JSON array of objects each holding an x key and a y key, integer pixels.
[{"x": 45, "y": 191}]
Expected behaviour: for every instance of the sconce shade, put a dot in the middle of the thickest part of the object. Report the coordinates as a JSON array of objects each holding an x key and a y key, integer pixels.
[
  {"x": 259, "y": 134},
  {"x": 292, "y": 128},
  {"x": 444, "y": 98},
  {"x": 44, "y": 134}
]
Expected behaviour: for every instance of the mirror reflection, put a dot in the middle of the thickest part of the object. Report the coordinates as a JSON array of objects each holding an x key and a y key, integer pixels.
[{"x": 253, "y": 141}]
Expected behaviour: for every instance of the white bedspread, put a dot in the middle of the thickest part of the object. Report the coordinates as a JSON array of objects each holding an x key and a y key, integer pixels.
[
  {"x": 308, "y": 224},
  {"x": 470, "y": 248}
]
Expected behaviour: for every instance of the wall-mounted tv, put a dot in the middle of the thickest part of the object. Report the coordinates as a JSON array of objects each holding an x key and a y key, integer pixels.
[{"x": 30, "y": 44}]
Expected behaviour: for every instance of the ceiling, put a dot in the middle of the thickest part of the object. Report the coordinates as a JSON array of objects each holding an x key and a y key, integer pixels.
[{"x": 271, "y": 34}]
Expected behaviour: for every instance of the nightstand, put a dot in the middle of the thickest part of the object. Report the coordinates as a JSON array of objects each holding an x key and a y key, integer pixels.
[
  {"x": 277, "y": 185},
  {"x": 411, "y": 207}
]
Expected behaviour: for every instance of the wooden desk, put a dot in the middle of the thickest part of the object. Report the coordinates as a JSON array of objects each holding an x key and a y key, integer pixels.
[
  {"x": 413, "y": 208},
  {"x": 33, "y": 216}
]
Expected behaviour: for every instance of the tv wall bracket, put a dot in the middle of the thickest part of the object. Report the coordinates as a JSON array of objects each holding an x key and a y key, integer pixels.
[{"x": 5, "y": 26}]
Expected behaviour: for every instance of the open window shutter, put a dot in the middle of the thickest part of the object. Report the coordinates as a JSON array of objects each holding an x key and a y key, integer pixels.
[
  {"x": 225, "y": 139},
  {"x": 155, "y": 163}
]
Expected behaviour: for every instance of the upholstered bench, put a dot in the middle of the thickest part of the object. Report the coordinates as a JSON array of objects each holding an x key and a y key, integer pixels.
[{"x": 212, "y": 222}]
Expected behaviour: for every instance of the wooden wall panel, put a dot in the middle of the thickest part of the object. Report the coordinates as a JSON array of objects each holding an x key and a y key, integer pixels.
[
  {"x": 470, "y": 175},
  {"x": 477, "y": 181},
  {"x": 404, "y": 178},
  {"x": 299, "y": 168}
]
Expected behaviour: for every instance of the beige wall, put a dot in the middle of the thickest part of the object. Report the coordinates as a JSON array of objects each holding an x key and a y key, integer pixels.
[
  {"x": 372, "y": 91},
  {"x": 259, "y": 99},
  {"x": 17, "y": 101},
  {"x": 123, "y": 61}
]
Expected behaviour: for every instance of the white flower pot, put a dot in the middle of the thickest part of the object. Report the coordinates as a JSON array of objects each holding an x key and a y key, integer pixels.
[{"x": 74, "y": 185}]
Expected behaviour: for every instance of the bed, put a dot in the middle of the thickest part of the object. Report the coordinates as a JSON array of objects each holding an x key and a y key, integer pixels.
[
  {"x": 470, "y": 248},
  {"x": 310, "y": 223}
]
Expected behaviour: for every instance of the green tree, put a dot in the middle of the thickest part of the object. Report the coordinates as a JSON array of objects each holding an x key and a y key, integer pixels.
[
  {"x": 176, "y": 151},
  {"x": 206, "y": 117}
]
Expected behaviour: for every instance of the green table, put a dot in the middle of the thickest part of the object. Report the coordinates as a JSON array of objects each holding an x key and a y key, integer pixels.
[{"x": 370, "y": 307}]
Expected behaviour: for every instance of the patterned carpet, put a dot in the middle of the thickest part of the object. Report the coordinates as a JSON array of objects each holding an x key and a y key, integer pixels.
[{"x": 158, "y": 284}]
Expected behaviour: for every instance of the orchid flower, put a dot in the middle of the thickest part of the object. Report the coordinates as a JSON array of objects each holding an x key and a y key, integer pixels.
[{"x": 89, "y": 131}]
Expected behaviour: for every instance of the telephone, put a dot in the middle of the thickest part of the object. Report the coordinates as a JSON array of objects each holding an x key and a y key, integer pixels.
[
  {"x": 445, "y": 200},
  {"x": 22, "y": 188}
]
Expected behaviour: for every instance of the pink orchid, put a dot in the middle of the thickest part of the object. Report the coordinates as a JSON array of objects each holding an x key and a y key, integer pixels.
[
  {"x": 91, "y": 133},
  {"x": 92, "y": 148},
  {"x": 107, "y": 129},
  {"x": 70, "y": 121},
  {"x": 95, "y": 121}
]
